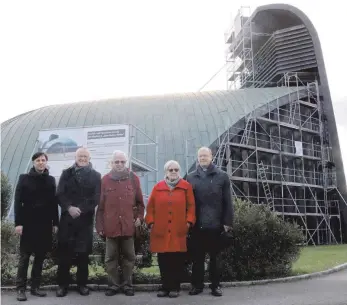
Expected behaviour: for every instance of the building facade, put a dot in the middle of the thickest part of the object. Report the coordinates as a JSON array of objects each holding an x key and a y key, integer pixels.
[{"x": 273, "y": 131}]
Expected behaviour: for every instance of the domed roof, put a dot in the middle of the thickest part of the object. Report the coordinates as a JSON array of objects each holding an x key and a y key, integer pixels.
[{"x": 173, "y": 118}]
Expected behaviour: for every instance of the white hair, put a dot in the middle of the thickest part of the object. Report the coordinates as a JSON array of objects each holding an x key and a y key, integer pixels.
[
  {"x": 119, "y": 152},
  {"x": 169, "y": 163},
  {"x": 205, "y": 148}
]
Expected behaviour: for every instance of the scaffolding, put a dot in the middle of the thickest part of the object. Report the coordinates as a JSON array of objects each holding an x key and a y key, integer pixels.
[
  {"x": 279, "y": 155},
  {"x": 257, "y": 53},
  {"x": 239, "y": 51}
]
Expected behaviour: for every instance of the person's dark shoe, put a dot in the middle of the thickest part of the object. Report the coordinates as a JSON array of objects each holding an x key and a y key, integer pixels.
[
  {"x": 163, "y": 294},
  {"x": 217, "y": 292},
  {"x": 129, "y": 292},
  {"x": 21, "y": 296},
  {"x": 83, "y": 290},
  {"x": 173, "y": 294},
  {"x": 61, "y": 292},
  {"x": 195, "y": 291},
  {"x": 38, "y": 293},
  {"x": 111, "y": 292}
]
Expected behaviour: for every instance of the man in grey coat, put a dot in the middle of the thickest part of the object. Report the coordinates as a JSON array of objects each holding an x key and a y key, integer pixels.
[{"x": 214, "y": 214}]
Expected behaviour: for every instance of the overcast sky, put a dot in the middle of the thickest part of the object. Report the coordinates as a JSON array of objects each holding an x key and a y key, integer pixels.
[{"x": 68, "y": 51}]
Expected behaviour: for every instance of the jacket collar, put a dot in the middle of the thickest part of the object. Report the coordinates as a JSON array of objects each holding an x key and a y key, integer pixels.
[
  {"x": 211, "y": 170},
  {"x": 162, "y": 186},
  {"x": 33, "y": 172}
]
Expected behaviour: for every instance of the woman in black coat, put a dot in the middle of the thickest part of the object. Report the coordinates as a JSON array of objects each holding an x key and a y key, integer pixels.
[{"x": 36, "y": 217}]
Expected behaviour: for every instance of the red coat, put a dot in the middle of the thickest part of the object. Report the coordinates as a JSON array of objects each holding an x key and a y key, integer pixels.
[
  {"x": 115, "y": 215},
  {"x": 169, "y": 212}
]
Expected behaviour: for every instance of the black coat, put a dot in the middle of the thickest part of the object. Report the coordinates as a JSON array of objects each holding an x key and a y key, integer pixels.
[
  {"x": 213, "y": 202},
  {"x": 36, "y": 209},
  {"x": 80, "y": 189}
]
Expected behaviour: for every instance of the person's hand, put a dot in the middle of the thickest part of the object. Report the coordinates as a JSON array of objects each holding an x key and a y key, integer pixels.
[
  {"x": 55, "y": 229},
  {"x": 137, "y": 222},
  {"x": 101, "y": 233},
  {"x": 150, "y": 226},
  {"x": 74, "y": 212},
  {"x": 18, "y": 230},
  {"x": 188, "y": 225},
  {"x": 227, "y": 228}
]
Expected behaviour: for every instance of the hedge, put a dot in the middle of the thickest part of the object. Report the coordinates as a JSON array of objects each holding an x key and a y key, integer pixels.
[{"x": 264, "y": 246}]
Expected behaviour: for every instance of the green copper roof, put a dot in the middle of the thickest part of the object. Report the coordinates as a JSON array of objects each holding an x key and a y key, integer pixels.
[{"x": 173, "y": 118}]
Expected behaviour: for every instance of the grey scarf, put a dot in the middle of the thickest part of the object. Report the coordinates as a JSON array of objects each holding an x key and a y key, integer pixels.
[
  {"x": 82, "y": 171},
  {"x": 172, "y": 184},
  {"x": 120, "y": 175},
  {"x": 85, "y": 168}
]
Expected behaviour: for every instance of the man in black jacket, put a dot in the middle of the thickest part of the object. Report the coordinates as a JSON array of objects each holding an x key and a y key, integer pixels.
[
  {"x": 79, "y": 194},
  {"x": 214, "y": 214}
]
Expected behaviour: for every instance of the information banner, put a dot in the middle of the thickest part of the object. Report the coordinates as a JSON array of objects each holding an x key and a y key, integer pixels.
[{"x": 61, "y": 144}]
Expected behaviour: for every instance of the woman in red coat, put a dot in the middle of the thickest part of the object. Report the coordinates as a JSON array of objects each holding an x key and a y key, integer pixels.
[{"x": 170, "y": 213}]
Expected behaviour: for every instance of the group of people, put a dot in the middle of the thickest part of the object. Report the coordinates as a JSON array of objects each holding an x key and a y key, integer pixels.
[{"x": 200, "y": 206}]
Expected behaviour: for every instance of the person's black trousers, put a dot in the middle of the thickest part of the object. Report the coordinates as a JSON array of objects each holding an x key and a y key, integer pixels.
[
  {"x": 36, "y": 271},
  {"x": 65, "y": 262},
  {"x": 171, "y": 266},
  {"x": 205, "y": 242}
]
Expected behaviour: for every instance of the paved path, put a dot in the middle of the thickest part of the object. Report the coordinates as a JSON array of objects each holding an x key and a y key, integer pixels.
[{"x": 328, "y": 290}]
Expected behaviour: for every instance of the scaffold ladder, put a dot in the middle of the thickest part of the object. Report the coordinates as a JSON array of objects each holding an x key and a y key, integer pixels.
[
  {"x": 247, "y": 131},
  {"x": 266, "y": 187},
  {"x": 325, "y": 216},
  {"x": 292, "y": 110},
  {"x": 218, "y": 158}
]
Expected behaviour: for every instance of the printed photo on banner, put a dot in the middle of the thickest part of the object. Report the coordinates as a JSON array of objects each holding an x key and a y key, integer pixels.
[{"x": 61, "y": 144}]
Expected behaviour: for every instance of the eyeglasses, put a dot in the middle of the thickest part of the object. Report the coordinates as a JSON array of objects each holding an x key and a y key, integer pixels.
[
  {"x": 173, "y": 170},
  {"x": 122, "y": 162}
]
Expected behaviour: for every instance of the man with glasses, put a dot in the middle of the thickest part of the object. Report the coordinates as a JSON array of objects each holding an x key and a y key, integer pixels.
[
  {"x": 121, "y": 209},
  {"x": 214, "y": 214}
]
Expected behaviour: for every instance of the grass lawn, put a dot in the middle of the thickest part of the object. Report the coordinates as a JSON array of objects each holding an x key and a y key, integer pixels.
[
  {"x": 311, "y": 259},
  {"x": 314, "y": 259}
]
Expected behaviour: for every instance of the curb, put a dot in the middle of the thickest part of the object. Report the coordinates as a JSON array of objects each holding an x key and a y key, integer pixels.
[
  {"x": 186, "y": 286},
  {"x": 287, "y": 279}
]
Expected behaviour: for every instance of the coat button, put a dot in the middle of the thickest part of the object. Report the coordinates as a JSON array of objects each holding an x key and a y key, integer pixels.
[
  {"x": 120, "y": 216},
  {"x": 169, "y": 221}
]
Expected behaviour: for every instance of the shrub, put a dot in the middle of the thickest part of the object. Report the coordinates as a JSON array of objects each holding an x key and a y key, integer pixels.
[
  {"x": 141, "y": 248},
  {"x": 145, "y": 278},
  {"x": 9, "y": 248},
  {"x": 264, "y": 245},
  {"x": 6, "y": 192}
]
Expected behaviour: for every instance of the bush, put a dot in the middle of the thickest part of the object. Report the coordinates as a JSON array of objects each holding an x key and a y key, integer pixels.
[
  {"x": 141, "y": 248},
  {"x": 264, "y": 245},
  {"x": 6, "y": 192},
  {"x": 9, "y": 248}
]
